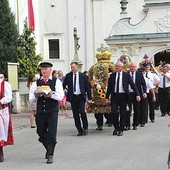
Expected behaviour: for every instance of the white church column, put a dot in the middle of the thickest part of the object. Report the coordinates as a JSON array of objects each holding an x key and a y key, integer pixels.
[{"x": 98, "y": 22}]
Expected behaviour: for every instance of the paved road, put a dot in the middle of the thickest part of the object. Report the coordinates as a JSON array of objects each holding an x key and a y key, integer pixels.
[{"x": 144, "y": 149}]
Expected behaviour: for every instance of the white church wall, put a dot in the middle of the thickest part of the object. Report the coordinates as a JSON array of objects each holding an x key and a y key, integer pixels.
[
  {"x": 93, "y": 19},
  {"x": 135, "y": 11},
  {"x": 53, "y": 25}
]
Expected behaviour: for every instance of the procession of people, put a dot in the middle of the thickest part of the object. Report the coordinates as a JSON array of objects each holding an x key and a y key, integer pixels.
[{"x": 126, "y": 98}]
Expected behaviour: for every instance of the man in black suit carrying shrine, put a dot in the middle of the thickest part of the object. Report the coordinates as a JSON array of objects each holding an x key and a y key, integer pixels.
[{"x": 118, "y": 88}]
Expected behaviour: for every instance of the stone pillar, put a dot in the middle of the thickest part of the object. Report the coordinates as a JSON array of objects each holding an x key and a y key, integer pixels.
[{"x": 16, "y": 103}]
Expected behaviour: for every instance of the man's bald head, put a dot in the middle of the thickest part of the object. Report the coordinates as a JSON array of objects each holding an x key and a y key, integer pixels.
[
  {"x": 133, "y": 67},
  {"x": 119, "y": 66},
  {"x": 119, "y": 63}
]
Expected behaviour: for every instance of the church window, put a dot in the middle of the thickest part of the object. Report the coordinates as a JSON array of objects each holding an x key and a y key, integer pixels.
[{"x": 54, "y": 49}]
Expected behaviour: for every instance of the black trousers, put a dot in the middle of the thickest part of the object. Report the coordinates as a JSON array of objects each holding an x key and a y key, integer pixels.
[
  {"x": 151, "y": 106},
  {"x": 128, "y": 114},
  {"x": 108, "y": 118},
  {"x": 135, "y": 110},
  {"x": 136, "y": 106},
  {"x": 118, "y": 107},
  {"x": 99, "y": 118},
  {"x": 79, "y": 114},
  {"x": 143, "y": 111},
  {"x": 164, "y": 96},
  {"x": 47, "y": 127},
  {"x": 157, "y": 102}
]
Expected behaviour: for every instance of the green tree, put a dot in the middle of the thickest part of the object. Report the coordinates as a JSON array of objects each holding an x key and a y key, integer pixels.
[
  {"x": 8, "y": 36},
  {"x": 27, "y": 58}
]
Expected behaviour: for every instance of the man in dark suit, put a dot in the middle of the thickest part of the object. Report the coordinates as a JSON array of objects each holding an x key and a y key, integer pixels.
[
  {"x": 78, "y": 87},
  {"x": 118, "y": 88},
  {"x": 138, "y": 79}
]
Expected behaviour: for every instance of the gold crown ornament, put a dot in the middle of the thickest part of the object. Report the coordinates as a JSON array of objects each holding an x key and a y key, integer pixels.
[{"x": 103, "y": 53}]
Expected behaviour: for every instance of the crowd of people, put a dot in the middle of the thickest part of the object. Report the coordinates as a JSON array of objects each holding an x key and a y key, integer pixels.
[{"x": 136, "y": 92}]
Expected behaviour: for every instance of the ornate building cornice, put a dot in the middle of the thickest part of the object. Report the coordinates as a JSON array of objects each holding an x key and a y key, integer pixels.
[
  {"x": 156, "y": 4},
  {"x": 155, "y": 1},
  {"x": 138, "y": 36}
]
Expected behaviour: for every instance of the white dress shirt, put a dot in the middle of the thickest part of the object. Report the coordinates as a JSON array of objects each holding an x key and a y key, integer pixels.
[
  {"x": 77, "y": 92},
  {"x": 153, "y": 77},
  {"x": 134, "y": 78},
  {"x": 121, "y": 90},
  {"x": 149, "y": 81},
  {"x": 167, "y": 82}
]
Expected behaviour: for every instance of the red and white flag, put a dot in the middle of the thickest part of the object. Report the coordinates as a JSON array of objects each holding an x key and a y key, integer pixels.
[{"x": 31, "y": 15}]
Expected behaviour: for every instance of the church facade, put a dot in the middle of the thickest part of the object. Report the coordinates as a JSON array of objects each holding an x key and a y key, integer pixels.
[{"x": 135, "y": 27}]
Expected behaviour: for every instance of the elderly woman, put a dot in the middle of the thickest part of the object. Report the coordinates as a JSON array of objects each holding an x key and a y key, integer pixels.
[{"x": 6, "y": 136}]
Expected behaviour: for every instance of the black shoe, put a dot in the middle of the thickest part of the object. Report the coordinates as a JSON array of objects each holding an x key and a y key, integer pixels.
[
  {"x": 162, "y": 115},
  {"x": 79, "y": 134},
  {"x": 115, "y": 132},
  {"x": 127, "y": 128},
  {"x": 109, "y": 124},
  {"x": 120, "y": 133},
  {"x": 99, "y": 128},
  {"x": 145, "y": 121},
  {"x": 2, "y": 158},
  {"x": 134, "y": 128},
  {"x": 152, "y": 121},
  {"x": 142, "y": 125},
  {"x": 85, "y": 132},
  {"x": 50, "y": 160}
]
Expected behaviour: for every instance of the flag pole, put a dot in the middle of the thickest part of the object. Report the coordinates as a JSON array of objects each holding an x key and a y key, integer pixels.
[{"x": 18, "y": 15}]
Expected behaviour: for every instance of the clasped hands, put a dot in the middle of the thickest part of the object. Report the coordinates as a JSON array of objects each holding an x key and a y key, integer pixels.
[{"x": 37, "y": 95}]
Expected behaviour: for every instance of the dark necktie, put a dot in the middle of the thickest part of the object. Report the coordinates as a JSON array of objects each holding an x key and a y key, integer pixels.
[
  {"x": 147, "y": 76},
  {"x": 117, "y": 87},
  {"x": 133, "y": 76},
  {"x": 74, "y": 83},
  {"x": 164, "y": 82}
]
